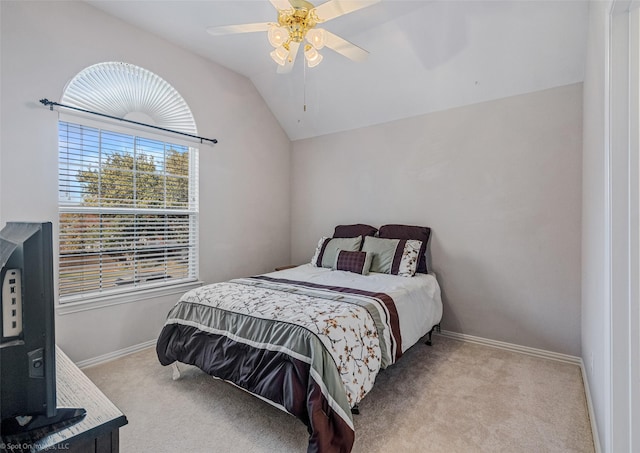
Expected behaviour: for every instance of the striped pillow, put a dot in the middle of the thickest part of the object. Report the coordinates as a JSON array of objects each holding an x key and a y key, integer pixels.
[
  {"x": 409, "y": 232},
  {"x": 327, "y": 249},
  {"x": 357, "y": 262},
  {"x": 393, "y": 256}
]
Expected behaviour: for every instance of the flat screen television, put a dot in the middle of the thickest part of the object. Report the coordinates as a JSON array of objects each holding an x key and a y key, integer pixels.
[{"x": 27, "y": 341}]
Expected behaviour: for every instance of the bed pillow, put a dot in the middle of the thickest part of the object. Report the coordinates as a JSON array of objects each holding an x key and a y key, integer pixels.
[
  {"x": 358, "y": 262},
  {"x": 405, "y": 261},
  {"x": 352, "y": 231},
  {"x": 327, "y": 248},
  {"x": 393, "y": 256},
  {"x": 409, "y": 232},
  {"x": 383, "y": 251}
]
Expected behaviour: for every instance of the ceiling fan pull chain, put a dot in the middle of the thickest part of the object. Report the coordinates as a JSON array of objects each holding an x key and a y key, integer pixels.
[{"x": 304, "y": 87}]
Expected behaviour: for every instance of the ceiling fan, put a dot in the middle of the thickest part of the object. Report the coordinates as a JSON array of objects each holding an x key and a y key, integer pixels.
[{"x": 297, "y": 20}]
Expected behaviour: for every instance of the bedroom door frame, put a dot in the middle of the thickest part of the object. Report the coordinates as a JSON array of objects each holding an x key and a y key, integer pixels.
[
  {"x": 634, "y": 151},
  {"x": 623, "y": 378}
]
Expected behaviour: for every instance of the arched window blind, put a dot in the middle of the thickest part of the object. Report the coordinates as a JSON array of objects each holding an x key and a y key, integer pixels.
[{"x": 128, "y": 202}]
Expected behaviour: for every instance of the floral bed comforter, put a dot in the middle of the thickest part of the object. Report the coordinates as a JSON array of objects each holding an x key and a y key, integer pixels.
[{"x": 312, "y": 350}]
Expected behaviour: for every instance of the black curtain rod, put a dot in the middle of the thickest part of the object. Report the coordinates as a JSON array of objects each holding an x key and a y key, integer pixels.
[{"x": 51, "y": 104}]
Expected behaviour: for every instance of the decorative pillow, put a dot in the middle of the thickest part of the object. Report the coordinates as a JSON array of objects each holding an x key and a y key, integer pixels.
[
  {"x": 418, "y": 233},
  {"x": 383, "y": 251},
  {"x": 351, "y": 231},
  {"x": 358, "y": 262},
  {"x": 393, "y": 256},
  {"x": 408, "y": 259},
  {"x": 327, "y": 249}
]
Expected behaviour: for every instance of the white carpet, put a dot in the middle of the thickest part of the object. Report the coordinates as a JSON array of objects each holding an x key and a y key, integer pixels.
[{"x": 452, "y": 397}]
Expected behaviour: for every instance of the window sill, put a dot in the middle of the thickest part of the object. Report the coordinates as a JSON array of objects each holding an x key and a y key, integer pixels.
[{"x": 109, "y": 300}]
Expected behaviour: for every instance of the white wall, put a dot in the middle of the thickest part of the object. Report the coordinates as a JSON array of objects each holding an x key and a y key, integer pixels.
[
  {"x": 244, "y": 180},
  {"x": 500, "y": 184}
]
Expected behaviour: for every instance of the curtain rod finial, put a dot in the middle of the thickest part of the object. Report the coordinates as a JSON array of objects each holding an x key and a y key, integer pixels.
[{"x": 46, "y": 101}]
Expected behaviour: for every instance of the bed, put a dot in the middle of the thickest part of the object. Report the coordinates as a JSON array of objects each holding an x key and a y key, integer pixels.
[{"x": 310, "y": 339}]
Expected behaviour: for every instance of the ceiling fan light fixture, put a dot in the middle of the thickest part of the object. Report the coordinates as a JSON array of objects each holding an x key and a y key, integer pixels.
[
  {"x": 277, "y": 35},
  {"x": 316, "y": 37},
  {"x": 280, "y": 55},
  {"x": 296, "y": 26},
  {"x": 312, "y": 56}
]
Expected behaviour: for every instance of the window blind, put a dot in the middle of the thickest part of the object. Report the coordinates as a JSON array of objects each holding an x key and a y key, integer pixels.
[{"x": 128, "y": 211}]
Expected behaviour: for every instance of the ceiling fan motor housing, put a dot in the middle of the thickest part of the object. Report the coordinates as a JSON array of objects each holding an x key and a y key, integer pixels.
[{"x": 298, "y": 20}]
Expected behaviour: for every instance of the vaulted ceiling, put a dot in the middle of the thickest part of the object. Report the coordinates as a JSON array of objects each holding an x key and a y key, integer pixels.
[{"x": 424, "y": 56}]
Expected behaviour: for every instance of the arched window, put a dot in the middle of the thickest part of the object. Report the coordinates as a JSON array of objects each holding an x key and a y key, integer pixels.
[{"x": 128, "y": 197}]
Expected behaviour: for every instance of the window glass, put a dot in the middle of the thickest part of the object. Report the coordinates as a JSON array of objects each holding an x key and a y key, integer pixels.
[{"x": 128, "y": 211}]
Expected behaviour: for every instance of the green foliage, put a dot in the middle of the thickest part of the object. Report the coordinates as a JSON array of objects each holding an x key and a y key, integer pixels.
[{"x": 125, "y": 181}]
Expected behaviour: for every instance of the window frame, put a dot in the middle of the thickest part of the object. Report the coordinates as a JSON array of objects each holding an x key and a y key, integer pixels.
[{"x": 70, "y": 303}]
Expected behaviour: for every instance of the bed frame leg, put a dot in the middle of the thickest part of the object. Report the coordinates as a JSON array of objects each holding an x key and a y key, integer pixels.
[
  {"x": 355, "y": 410},
  {"x": 437, "y": 329},
  {"x": 176, "y": 371}
]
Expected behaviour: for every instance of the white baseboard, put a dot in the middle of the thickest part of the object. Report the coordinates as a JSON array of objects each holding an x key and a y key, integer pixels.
[
  {"x": 592, "y": 414},
  {"x": 512, "y": 347},
  {"x": 115, "y": 354},
  {"x": 542, "y": 354}
]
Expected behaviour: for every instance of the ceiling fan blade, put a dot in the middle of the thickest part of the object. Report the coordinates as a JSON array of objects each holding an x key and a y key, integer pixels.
[
  {"x": 344, "y": 47},
  {"x": 334, "y": 8},
  {"x": 281, "y": 4},
  {"x": 240, "y": 28},
  {"x": 291, "y": 59}
]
